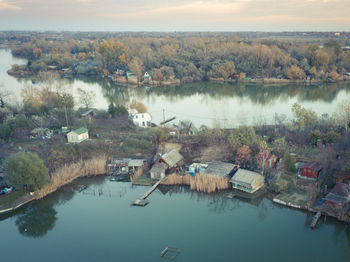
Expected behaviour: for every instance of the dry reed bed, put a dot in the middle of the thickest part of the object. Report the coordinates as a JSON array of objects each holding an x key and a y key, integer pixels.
[
  {"x": 68, "y": 173},
  {"x": 200, "y": 182}
]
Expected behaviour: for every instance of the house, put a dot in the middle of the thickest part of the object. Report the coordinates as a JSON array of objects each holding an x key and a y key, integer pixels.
[
  {"x": 158, "y": 171},
  {"x": 337, "y": 199},
  {"x": 78, "y": 135},
  {"x": 310, "y": 170},
  {"x": 131, "y": 77},
  {"x": 89, "y": 113},
  {"x": 147, "y": 77},
  {"x": 247, "y": 181},
  {"x": 125, "y": 166},
  {"x": 141, "y": 119}
]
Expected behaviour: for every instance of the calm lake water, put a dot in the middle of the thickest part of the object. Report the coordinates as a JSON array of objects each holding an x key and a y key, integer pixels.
[
  {"x": 210, "y": 104},
  {"x": 72, "y": 226}
]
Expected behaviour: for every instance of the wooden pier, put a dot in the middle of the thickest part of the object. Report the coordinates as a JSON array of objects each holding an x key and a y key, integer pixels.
[
  {"x": 142, "y": 200},
  {"x": 315, "y": 219}
]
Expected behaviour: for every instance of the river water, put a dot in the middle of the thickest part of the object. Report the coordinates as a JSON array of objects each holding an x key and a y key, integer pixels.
[
  {"x": 211, "y": 104},
  {"x": 89, "y": 226}
]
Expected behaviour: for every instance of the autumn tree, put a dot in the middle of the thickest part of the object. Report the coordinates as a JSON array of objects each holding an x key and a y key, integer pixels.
[
  {"x": 321, "y": 59},
  {"x": 31, "y": 99},
  {"x": 138, "y": 106},
  {"x": 263, "y": 155},
  {"x": 157, "y": 74},
  {"x": 136, "y": 66},
  {"x": 113, "y": 54},
  {"x": 304, "y": 117},
  {"x": 342, "y": 115},
  {"x": 243, "y": 155},
  {"x": 295, "y": 73}
]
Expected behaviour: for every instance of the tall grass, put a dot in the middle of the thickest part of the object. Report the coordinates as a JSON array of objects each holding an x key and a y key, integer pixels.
[
  {"x": 200, "y": 182},
  {"x": 68, "y": 173}
]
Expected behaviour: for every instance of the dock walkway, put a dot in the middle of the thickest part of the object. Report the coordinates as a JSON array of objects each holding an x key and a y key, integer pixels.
[
  {"x": 142, "y": 200},
  {"x": 315, "y": 219}
]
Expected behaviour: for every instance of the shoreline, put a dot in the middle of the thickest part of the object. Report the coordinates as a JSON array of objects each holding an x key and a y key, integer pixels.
[{"x": 178, "y": 82}]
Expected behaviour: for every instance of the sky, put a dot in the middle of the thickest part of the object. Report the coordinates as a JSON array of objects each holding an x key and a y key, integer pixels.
[{"x": 175, "y": 15}]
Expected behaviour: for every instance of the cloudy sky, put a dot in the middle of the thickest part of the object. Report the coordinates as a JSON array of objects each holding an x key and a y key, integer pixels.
[{"x": 176, "y": 15}]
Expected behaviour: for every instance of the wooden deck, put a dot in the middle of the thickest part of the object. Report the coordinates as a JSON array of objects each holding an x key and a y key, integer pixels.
[
  {"x": 315, "y": 219},
  {"x": 142, "y": 200}
]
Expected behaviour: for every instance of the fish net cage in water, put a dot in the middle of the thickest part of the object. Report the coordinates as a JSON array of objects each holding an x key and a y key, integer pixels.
[{"x": 170, "y": 253}]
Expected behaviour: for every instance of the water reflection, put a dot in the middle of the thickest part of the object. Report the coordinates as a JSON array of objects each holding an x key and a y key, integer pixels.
[{"x": 37, "y": 220}]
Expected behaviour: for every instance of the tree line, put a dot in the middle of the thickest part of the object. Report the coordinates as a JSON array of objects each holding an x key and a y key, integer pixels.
[{"x": 190, "y": 58}]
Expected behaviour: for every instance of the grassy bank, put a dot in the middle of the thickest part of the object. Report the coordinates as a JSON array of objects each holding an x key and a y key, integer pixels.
[{"x": 68, "y": 173}]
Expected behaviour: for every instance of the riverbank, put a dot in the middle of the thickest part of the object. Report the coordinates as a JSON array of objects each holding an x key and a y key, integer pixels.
[
  {"x": 61, "y": 177},
  {"x": 23, "y": 72}
]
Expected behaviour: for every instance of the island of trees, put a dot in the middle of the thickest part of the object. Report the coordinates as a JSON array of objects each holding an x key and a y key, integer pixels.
[{"x": 186, "y": 58}]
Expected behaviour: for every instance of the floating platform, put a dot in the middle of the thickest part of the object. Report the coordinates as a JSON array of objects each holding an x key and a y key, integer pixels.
[
  {"x": 81, "y": 188},
  {"x": 230, "y": 195},
  {"x": 140, "y": 202},
  {"x": 170, "y": 253}
]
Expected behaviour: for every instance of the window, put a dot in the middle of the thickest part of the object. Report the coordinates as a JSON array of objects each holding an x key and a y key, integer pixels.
[{"x": 143, "y": 123}]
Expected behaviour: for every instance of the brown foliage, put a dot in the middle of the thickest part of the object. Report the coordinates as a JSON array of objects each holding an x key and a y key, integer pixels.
[
  {"x": 201, "y": 182},
  {"x": 68, "y": 173}
]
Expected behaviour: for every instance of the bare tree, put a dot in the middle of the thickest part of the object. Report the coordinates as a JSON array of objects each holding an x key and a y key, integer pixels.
[
  {"x": 86, "y": 98},
  {"x": 4, "y": 94}
]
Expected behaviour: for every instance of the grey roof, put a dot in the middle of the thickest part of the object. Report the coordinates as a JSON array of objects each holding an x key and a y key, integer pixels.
[
  {"x": 172, "y": 157},
  {"x": 219, "y": 169},
  {"x": 244, "y": 177},
  {"x": 158, "y": 168},
  {"x": 335, "y": 198},
  {"x": 136, "y": 162}
]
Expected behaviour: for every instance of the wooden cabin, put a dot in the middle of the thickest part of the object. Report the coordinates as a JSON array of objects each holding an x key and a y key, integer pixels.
[
  {"x": 310, "y": 170},
  {"x": 247, "y": 181},
  {"x": 78, "y": 135}
]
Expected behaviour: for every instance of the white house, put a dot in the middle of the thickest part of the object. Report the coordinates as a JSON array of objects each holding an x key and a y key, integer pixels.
[
  {"x": 141, "y": 119},
  {"x": 78, "y": 135}
]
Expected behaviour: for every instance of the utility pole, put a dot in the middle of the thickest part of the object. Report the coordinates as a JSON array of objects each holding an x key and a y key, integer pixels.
[{"x": 65, "y": 109}]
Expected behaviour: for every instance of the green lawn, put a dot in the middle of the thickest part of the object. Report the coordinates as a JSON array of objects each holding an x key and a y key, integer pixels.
[
  {"x": 8, "y": 199},
  {"x": 143, "y": 179}
]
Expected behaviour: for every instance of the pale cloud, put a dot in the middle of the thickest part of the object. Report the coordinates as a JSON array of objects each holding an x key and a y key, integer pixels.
[
  {"x": 202, "y": 8},
  {"x": 4, "y": 5}
]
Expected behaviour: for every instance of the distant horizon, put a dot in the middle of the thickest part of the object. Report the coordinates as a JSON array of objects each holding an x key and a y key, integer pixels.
[{"x": 165, "y": 31}]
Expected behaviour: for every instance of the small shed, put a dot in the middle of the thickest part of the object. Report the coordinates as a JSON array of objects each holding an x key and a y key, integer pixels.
[
  {"x": 310, "y": 170},
  {"x": 158, "y": 171},
  {"x": 337, "y": 199},
  {"x": 247, "y": 181},
  {"x": 147, "y": 77},
  {"x": 78, "y": 135}
]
